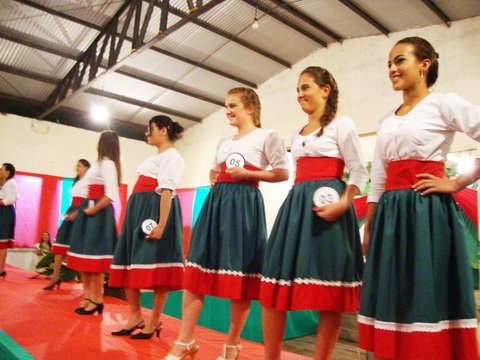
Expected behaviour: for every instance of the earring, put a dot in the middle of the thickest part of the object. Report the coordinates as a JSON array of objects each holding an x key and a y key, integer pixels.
[{"x": 421, "y": 73}]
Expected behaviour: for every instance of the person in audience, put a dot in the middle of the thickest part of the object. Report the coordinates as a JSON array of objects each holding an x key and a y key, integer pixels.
[
  {"x": 149, "y": 253},
  {"x": 228, "y": 239},
  {"x": 62, "y": 242},
  {"x": 8, "y": 197},
  {"x": 417, "y": 299},
  {"x": 314, "y": 256},
  {"x": 93, "y": 236},
  {"x": 42, "y": 249}
]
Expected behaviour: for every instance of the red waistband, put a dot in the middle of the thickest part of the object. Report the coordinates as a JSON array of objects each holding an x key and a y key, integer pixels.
[
  {"x": 96, "y": 191},
  {"x": 401, "y": 174},
  {"x": 145, "y": 184},
  {"x": 318, "y": 168},
  {"x": 224, "y": 177},
  {"x": 77, "y": 201}
]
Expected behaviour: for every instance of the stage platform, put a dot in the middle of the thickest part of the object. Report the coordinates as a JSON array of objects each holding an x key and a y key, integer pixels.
[{"x": 38, "y": 324}]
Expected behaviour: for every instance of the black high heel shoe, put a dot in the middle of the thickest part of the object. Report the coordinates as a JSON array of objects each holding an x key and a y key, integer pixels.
[
  {"x": 125, "y": 332},
  {"x": 52, "y": 286},
  {"x": 82, "y": 307},
  {"x": 3, "y": 274},
  {"x": 98, "y": 308},
  {"x": 141, "y": 335}
]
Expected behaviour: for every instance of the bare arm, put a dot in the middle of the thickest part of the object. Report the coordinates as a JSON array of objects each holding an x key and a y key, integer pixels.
[
  {"x": 165, "y": 206},
  {"x": 273, "y": 175},
  {"x": 371, "y": 207},
  {"x": 432, "y": 184},
  {"x": 103, "y": 203}
]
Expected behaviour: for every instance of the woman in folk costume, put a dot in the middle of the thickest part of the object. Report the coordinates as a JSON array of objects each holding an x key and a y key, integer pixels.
[
  {"x": 314, "y": 258},
  {"x": 417, "y": 298},
  {"x": 228, "y": 239},
  {"x": 94, "y": 232},
  {"x": 78, "y": 192},
  {"x": 8, "y": 197},
  {"x": 149, "y": 253}
]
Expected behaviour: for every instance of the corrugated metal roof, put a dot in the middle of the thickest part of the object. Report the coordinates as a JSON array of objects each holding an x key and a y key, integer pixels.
[{"x": 52, "y": 47}]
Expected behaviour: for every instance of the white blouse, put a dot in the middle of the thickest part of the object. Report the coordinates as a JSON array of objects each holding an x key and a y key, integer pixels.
[
  {"x": 167, "y": 167},
  {"x": 425, "y": 133},
  {"x": 104, "y": 173},
  {"x": 79, "y": 189},
  {"x": 260, "y": 148},
  {"x": 339, "y": 140},
  {"x": 9, "y": 192}
]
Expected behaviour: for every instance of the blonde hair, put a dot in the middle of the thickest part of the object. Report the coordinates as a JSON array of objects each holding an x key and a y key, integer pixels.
[{"x": 248, "y": 97}]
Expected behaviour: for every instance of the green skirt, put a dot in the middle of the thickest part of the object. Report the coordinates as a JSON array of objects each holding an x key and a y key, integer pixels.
[
  {"x": 228, "y": 243},
  {"x": 417, "y": 299}
]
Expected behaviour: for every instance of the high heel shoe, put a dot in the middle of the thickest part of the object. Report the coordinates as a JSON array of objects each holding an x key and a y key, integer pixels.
[
  {"x": 125, "y": 332},
  {"x": 52, "y": 285},
  {"x": 191, "y": 350},
  {"x": 98, "y": 308},
  {"x": 83, "y": 307},
  {"x": 142, "y": 336},
  {"x": 226, "y": 347},
  {"x": 3, "y": 274}
]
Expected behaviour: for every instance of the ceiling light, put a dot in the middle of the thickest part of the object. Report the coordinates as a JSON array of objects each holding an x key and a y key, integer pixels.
[
  {"x": 99, "y": 114},
  {"x": 255, "y": 24}
]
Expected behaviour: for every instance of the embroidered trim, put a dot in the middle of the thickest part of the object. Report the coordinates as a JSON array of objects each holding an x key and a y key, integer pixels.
[
  {"x": 83, "y": 256},
  {"x": 419, "y": 327},
  {"x": 146, "y": 266},
  {"x": 222, "y": 271},
  {"x": 312, "y": 282}
]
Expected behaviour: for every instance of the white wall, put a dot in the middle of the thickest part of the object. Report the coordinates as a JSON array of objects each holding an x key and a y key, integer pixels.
[
  {"x": 360, "y": 69},
  {"x": 359, "y": 66},
  {"x": 47, "y": 148}
]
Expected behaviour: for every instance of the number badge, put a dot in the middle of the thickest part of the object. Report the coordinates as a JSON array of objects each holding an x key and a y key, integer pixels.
[
  {"x": 148, "y": 225},
  {"x": 235, "y": 160},
  {"x": 325, "y": 195}
]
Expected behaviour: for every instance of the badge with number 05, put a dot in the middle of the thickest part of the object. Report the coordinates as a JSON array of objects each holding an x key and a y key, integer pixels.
[
  {"x": 148, "y": 225},
  {"x": 235, "y": 160},
  {"x": 325, "y": 195}
]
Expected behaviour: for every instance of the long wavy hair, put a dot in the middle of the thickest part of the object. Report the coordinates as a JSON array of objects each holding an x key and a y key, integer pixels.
[
  {"x": 322, "y": 77},
  {"x": 109, "y": 147}
]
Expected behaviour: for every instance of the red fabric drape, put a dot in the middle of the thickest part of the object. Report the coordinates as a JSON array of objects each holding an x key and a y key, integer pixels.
[{"x": 467, "y": 199}]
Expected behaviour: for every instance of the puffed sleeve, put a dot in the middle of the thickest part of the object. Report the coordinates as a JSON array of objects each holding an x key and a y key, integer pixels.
[
  {"x": 349, "y": 145},
  {"x": 108, "y": 171},
  {"x": 11, "y": 192},
  {"x": 170, "y": 173},
  {"x": 461, "y": 115},
  {"x": 275, "y": 151}
]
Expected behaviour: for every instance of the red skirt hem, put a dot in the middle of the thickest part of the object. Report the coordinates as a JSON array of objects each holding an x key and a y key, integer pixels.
[
  {"x": 84, "y": 264},
  {"x": 6, "y": 244},
  {"x": 60, "y": 250},
  {"x": 171, "y": 276},
  {"x": 310, "y": 297},
  {"x": 454, "y": 343},
  {"x": 228, "y": 286}
]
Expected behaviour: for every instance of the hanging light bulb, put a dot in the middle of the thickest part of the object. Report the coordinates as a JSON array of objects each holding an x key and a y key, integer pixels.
[
  {"x": 255, "y": 19},
  {"x": 255, "y": 24}
]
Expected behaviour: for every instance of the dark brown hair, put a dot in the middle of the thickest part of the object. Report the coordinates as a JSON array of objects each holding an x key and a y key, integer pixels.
[
  {"x": 109, "y": 147},
  {"x": 322, "y": 77},
  {"x": 10, "y": 168},
  {"x": 174, "y": 129},
  {"x": 424, "y": 50}
]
